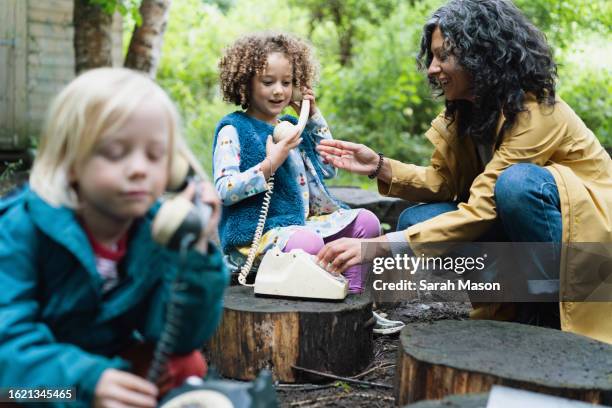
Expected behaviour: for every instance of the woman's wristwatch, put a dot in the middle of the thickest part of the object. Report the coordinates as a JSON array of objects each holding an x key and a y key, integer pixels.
[{"x": 374, "y": 174}]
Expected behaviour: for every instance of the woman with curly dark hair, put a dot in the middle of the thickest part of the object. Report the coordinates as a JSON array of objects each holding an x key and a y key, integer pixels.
[
  {"x": 261, "y": 72},
  {"x": 512, "y": 162}
]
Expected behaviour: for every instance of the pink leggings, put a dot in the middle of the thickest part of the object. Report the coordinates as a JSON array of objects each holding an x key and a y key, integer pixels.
[{"x": 365, "y": 225}]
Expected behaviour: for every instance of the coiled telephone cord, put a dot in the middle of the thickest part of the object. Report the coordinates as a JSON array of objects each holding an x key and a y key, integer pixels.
[
  {"x": 171, "y": 329},
  {"x": 246, "y": 268}
]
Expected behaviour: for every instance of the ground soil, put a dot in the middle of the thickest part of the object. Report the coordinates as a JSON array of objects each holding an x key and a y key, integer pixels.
[{"x": 381, "y": 370}]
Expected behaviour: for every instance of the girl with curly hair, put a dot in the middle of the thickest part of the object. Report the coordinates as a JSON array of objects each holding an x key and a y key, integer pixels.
[
  {"x": 512, "y": 162},
  {"x": 260, "y": 72}
]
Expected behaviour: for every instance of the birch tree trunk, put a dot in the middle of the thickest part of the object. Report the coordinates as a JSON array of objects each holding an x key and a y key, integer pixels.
[
  {"x": 93, "y": 40},
  {"x": 146, "y": 43}
]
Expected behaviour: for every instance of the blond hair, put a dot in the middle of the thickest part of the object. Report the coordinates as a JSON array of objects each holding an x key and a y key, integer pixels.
[{"x": 97, "y": 102}]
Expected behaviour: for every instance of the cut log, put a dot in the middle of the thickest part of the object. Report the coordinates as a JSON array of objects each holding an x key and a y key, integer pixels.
[
  {"x": 460, "y": 357},
  {"x": 257, "y": 332}
]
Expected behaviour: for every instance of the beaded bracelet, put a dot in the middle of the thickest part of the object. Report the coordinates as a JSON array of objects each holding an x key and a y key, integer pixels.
[{"x": 374, "y": 174}]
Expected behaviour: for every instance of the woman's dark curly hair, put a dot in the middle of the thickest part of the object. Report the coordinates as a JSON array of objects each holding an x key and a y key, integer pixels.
[
  {"x": 248, "y": 57},
  {"x": 505, "y": 55}
]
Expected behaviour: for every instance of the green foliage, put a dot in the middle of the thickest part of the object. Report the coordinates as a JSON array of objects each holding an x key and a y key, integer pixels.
[
  {"x": 561, "y": 19},
  {"x": 586, "y": 85},
  {"x": 342, "y": 385},
  {"x": 380, "y": 98},
  {"x": 350, "y": 18},
  {"x": 125, "y": 7},
  {"x": 197, "y": 33}
]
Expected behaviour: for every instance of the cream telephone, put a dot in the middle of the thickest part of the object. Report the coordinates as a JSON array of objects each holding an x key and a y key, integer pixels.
[
  {"x": 179, "y": 218},
  {"x": 295, "y": 273}
]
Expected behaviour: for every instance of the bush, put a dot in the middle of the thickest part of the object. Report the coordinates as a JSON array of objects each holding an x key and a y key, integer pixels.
[
  {"x": 380, "y": 99},
  {"x": 585, "y": 83}
]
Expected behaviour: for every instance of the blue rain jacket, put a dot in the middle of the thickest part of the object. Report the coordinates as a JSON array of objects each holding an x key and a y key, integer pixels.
[{"x": 57, "y": 328}]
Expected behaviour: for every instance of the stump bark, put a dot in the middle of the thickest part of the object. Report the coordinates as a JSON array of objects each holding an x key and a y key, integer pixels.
[
  {"x": 460, "y": 357},
  {"x": 257, "y": 332}
]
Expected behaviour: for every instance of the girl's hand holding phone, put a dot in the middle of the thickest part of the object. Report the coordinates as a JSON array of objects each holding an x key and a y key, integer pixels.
[
  {"x": 307, "y": 94},
  {"x": 276, "y": 153}
]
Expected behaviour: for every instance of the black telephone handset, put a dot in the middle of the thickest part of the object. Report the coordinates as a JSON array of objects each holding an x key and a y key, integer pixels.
[{"x": 179, "y": 217}]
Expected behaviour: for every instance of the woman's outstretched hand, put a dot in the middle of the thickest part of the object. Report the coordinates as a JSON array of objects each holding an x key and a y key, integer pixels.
[
  {"x": 339, "y": 255},
  {"x": 353, "y": 157}
]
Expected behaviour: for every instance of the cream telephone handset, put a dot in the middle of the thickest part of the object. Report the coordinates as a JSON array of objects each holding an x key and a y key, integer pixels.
[
  {"x": 179, "y": 218},
  {"x": 285, "y": 128},
  {"x": 294, "y": 273}
]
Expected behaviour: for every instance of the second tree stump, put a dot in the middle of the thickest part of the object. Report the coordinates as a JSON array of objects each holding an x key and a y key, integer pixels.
[
  {"x": 459, "y": 357},
  {"x": 256, "y": 333}
]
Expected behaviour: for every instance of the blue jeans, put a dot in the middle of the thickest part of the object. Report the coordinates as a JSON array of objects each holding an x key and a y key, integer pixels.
[{"x": 528, "y": 209}]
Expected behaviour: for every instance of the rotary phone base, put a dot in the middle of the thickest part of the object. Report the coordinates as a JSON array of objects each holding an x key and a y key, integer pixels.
[
  {"x": 294, "y": 274},
  {"x": 214, "y": 392}
]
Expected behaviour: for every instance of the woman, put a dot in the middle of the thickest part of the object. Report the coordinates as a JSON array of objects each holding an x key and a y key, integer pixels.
[{"x": 510, "y": 159}]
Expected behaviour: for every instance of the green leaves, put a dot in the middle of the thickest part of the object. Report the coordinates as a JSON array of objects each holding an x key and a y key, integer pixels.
[
  {"x": 124, "y": 7},
  {"x": 380, "y": 98}
]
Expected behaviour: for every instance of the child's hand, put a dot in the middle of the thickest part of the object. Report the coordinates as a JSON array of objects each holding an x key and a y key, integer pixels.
[
  {"x": 208, "y": 196},
  {"x": 308, "y": 94},
  {"x": 122, "y": 389},
  {"x": 277, "y": 152}
]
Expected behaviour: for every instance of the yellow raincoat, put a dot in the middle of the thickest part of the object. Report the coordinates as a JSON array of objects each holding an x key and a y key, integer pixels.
[{"x": 555, "y": 138}]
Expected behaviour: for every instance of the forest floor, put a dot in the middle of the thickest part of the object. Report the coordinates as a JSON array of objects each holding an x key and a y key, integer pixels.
[{"x": 381, "y": 370}]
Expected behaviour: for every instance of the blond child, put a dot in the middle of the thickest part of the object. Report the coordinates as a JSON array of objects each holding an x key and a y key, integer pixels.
[{"x": 83, "y": 281}]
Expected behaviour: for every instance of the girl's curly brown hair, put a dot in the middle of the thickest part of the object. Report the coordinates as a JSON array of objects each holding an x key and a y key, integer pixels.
[{"x": 248, "y": 57}]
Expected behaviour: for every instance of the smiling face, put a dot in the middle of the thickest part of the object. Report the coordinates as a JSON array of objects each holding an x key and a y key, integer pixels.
[
  {"x": 127, "y": 169},
  {"x": 444, "y": 68},
  {"x": 271, "y": 89}
]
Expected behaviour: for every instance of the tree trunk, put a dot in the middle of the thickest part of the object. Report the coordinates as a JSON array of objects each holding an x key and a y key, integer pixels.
[
  {"x": 345, "y": 33},
  {"x": 93, "y": 42},
  {"x": 460, "y": 357},
  {"x": 346, "y": 46},
  {"x": 257, "y": 333},
  {"x": 145, "y": 47}
]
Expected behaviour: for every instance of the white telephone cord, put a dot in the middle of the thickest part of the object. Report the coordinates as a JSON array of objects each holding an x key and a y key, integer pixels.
[{"x": 246, "y": 268}]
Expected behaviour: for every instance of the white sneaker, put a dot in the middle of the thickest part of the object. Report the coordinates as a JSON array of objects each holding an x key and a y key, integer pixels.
[{"x": 386, "y": 326}]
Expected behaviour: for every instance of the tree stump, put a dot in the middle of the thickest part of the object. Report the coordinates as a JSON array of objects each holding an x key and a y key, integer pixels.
[
  {"x": 257, "y": 332},
  {"x": 459, "y": 357}
]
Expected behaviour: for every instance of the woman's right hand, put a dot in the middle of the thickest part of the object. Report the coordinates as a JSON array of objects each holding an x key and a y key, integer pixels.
[
  {"x": 277, "y": 152},
  {"x": 122, "y": 389},
  {"x": 353, "y": 157}
]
